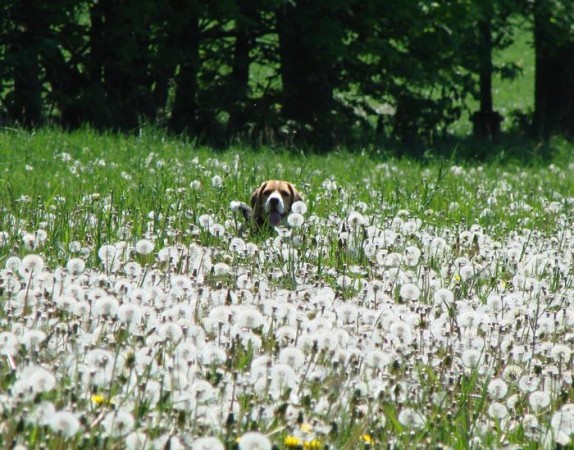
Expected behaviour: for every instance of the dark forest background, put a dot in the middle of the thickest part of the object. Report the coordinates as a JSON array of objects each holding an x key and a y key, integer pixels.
[{"x": 324, "y": 73}]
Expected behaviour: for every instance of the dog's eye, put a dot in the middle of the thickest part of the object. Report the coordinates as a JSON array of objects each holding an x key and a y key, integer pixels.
[{"x": 284, "y": 193}]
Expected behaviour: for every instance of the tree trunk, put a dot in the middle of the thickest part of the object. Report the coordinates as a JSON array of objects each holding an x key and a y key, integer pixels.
[
  {"x": 486, "y": 122},
  {"x": 554, "y": 65},
  {"x": 25, "y": 103},
  {"x": 239, "y": 87},
  {"x": 305, "y": 71},
  {"x": 184, "y": 113},
  {"x": 119, "y": 64}
]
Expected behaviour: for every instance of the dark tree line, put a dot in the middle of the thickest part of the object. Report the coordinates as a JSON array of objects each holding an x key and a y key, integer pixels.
[{"x": 323, "y": 72}]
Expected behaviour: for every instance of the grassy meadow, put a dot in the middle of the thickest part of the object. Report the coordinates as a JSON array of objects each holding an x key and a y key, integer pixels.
[{"x": 410, "y": 305}]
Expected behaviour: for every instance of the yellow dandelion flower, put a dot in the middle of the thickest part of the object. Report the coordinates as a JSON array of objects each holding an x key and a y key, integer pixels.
[
  {"x": 368, "y": 439},
  {"x": 457, "y": 278},
  {"x": 291, "y": 441},
  {"x": 98, "y": 399},
  {"x": 314, "y": 444}
]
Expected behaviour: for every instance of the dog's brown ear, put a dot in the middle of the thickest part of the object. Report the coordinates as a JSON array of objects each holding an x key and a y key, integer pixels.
[
  {"x": 294, "y": 193},
  {"x": 256, "y": 200}
]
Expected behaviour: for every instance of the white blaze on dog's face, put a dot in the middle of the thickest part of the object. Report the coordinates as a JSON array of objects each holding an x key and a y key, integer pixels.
[
  {"x": 275, "y": 202},
  {"x": 272, "y": 201}
]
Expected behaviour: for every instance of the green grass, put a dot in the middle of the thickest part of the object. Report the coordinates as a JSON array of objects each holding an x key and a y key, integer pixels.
[
  {"x": 87, "y": 190},
  {"x": 109, "y": 175}
]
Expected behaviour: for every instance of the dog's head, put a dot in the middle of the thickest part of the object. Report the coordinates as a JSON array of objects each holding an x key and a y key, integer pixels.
[{"x": 272, "y": 201}]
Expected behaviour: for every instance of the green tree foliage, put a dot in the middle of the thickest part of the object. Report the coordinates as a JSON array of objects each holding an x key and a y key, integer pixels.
[{"x": 325, "y": 73}]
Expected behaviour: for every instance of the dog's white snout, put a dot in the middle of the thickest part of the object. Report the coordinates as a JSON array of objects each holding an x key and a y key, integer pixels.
[{"x": 275, "y": 201}]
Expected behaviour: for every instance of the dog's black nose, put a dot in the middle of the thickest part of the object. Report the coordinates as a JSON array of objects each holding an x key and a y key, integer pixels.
[{"x": 274, "y": 201}]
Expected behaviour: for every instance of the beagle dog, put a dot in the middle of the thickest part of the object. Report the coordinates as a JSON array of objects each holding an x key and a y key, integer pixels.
[{"x": 271, "y": 203}]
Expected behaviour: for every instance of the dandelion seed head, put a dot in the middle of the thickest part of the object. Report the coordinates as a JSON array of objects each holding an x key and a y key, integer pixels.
[
  {"x": 254, "y": 440},
  {"x": 31, "y": 265},
  {"x": 213, "y": 354},
  {"x": 356, "y": 219},
  {"x": 528, "y": 383},
  {"x": 42, "y": 414},
  {"x": 39, "y": 379},
  {"x": 471, "y": 358},
  {"x": 292, "y": 357},
  {"x": 133, "y": 269},
  {"x": 13, "y": 263},
  {"x": 106, "y": 306},
  {"x": 221, "y": 269},
  {"x": 129, "y": 313},
  {"x": 144, "y": 247},
  {"x": 411, "y": 255},
  {"x": 32, "y": 339},
  {"x": 249, "y": 318},
  {"x": 9, "y": 343},
  {"x": 216, "y": 181},
  {"x": 295, "y": 220},
  {"x": 75, "y": 266},
  {"x": 498, "y": 411},
  {"x": 137, "y": 440},
  {"x": 561, "y": 353},
  {"x": 207, "y": 443},
  {"x": 299, "y": 207},
  {"x": 118, "y": 423},
  {"x": 539, "y": 400},
  {"x": 497, "y": 389},
  {"x": 217, "y": 230},
  {"x": 65, "y": 423},
  {"x": 562, "y": 423},
  {"x": 411, "y": 419}
]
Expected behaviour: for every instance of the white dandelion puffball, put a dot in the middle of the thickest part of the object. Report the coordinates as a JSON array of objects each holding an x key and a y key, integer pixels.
[
  {"x": 38, "y": 378},
  {"x": 137, "y": 440},
  {"x": 65, "y": 423},
  {"x": 539, "y": 400},
  {"x": 410, "y": 418},
  {"x": 75, "y": 266},
  {"x": 207, "y": 443},
  {"x": 221, "y": 269},
  {"x": 31, "y": 265},
  {"x": 144, "y": 247},
  {"x": 562, "y": 422},
  {"x": 356, "y": 219},
  {"x": 12, "y": 263},
  {"x": 411, "y": 255},
  {"x": 133, "y": 269},
  {"x": 471, "y": 358},
  {"x": 498, "y": 411},
  {"x": 216, "y": 181},
  {"x": 292, "y": 356},
  {"x": 410, "y": 292},
  {"x": 299, "y": 207},
  {"x": 129, "y": 313},
  {"x": 118, "y": 423},
  {"x": 206, "y": 220},
  {"x": 295, "y": 220},
  {"x": 9, "y": 343},
  {"x": 497, "y": 389},
  {"x": 107, "y": 253},
  {"x": 254, "y": 441}
]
